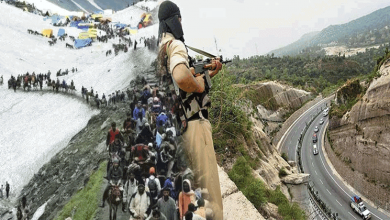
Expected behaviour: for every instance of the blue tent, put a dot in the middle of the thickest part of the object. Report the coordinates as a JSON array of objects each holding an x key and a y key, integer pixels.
[
  {"x": 120, "y": 26},
  {"x": 55, "y": 19},
  {"x": 83, "y": 27},
  {"x": 98, "y": 12},
  {"x": 61, "y": 32},
  {"x": 75, "y": 23},
  {"x": 79, "y": 43}
]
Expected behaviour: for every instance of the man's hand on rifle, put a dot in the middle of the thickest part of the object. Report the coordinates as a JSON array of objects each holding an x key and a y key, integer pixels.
[{"x": 216, "y": 66}]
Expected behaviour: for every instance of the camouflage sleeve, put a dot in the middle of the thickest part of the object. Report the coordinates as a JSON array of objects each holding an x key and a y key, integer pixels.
[{"x": 177, "y": 54}]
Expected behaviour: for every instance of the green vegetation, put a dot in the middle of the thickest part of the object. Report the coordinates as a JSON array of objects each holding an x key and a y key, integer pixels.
[
  {"x": 312, "y": 72},
  {"x": 282, "y": 172},
  {"x": 231, "y": 126},
  {"x": 347, "y": 96},
  {"x": 83, "y": 205},
  {"x": 258, "y": 194},
  {"x": 285, "y": 156}
]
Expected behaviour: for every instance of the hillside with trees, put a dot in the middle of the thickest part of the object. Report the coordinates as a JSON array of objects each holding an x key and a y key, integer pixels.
[
  {"x": 309, "y": 71},
  {"x": 372, "y": 29}
]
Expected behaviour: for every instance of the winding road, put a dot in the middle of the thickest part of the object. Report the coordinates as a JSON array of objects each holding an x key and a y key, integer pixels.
[{"x": 330, "y": 188}]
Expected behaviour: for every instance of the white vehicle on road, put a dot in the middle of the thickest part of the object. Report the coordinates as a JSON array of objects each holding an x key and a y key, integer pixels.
[
  {"x": 358, "y": 206},
  {"x": 315, "y": 149}
]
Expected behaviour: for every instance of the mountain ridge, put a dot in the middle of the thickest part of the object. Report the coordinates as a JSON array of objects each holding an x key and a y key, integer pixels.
[{"x": 364, "y": 31}]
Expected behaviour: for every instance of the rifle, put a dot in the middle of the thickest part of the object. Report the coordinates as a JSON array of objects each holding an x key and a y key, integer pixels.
[{"x": 203, "y": 66}]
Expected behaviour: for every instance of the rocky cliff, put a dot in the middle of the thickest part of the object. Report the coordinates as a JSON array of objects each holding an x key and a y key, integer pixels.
[
  {"x": 267, "y": 105},
  {"x": 274, "y": 103},
  {"x": 361, "y": 137}
]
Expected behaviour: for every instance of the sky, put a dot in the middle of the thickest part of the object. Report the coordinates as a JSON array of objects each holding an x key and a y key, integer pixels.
[{"x": 254, "y": 27}]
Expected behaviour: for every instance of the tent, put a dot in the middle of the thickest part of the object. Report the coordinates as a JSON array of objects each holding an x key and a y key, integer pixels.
[
  {"x": 75, "y": 23},
  {"x": 92, "y": 32},
  {"x": 83, "y": 35},
  {"x": 94, "y": 16},
  {"x": 61, "y": 32},
  {"x": 132, "y": 31},
  {"x": 120, "y": 26},
  {"x": 79, "y": 43},
  {"x": 47, "y": 32},
  {"x": 146, "y": 20}
]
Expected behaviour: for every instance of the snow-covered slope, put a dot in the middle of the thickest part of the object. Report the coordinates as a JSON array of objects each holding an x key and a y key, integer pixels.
[{"x": 35, "y": 126}]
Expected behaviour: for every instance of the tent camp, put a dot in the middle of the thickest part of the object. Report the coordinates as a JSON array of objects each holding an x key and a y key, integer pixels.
[
  {"x": 79, "y": 43},
  {"x": 120, "y": 26},
  {"x": 96, "y": 17},
  {"x": 61, "y": 32},
  {"x": 75, "y": 23},
  {"x": 105, "y": 20},
  {"x": 47, "y": 32},
  {"x": 85, "y": 35},
  {"x": 85, "y": 26},
  {"x": 132, "y": 31},
  {"x": 146, "y": 20}
]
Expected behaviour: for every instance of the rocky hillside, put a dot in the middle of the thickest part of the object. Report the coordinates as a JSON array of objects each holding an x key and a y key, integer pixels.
[
  {"x": 274, "y": 102},
  {"x": 361, "y": 136},
  {"x": 266, "y": 107}
]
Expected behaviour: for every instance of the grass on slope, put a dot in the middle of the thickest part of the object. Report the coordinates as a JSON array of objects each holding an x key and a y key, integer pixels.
[
  {"x": 83, "y": 205},
  {"x": 258, "y": 194}
]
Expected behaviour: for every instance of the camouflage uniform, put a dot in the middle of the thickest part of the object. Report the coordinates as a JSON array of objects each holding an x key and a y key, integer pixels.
[{"x": 198, "y": 142}]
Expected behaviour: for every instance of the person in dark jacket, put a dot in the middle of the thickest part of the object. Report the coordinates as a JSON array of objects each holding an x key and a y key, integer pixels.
[
  {"x": 114, "y": 177},
  {"x": 7, "y": 188}
]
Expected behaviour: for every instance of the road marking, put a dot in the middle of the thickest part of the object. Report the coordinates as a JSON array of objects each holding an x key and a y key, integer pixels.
[
  {"x": 310, "y": 157},
  {"x": 352, "y": 215},
  {"x": 322, "y": 161},
  {"x": 338, "y": 203},
  {"x": 328, "y": 191},
  {"x": 295, "y": 122},
  {"x": 312, "y": 164},
  {"x": 321, "y": 182},
  {"x": 316, "y": 172}
]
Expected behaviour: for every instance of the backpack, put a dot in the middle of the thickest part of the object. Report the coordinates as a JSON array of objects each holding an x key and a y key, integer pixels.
[{"x": 152, "y": 185}]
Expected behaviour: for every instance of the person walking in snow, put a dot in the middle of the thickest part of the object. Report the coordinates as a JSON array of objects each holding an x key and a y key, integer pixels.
[
  {"x": 1, "y": 191},
  {"x": 7, "y": 188}
]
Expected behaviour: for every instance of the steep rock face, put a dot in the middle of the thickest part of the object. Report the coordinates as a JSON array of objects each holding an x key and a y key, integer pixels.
[
  {"x": 235, "y": 204},
  {"x": 362, "y": 136},
  {"x": 273, "y": 96}
]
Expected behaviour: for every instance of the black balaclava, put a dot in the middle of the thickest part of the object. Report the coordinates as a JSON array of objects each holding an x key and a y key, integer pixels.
[{"x": 169, "y": 15}]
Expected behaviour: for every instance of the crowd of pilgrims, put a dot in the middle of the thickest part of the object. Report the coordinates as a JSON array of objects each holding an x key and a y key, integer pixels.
[
  {"x": 27, "y": 81},
  {"x": 147, "y": 161}
]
